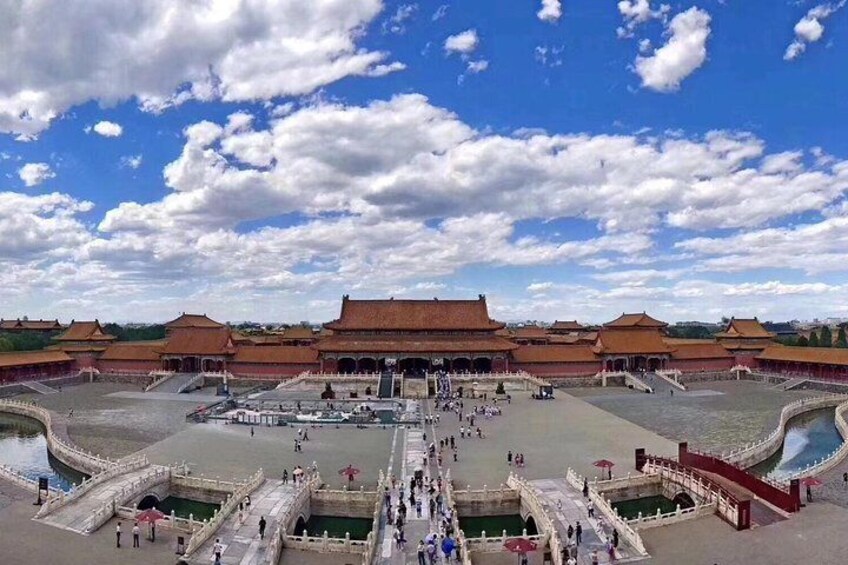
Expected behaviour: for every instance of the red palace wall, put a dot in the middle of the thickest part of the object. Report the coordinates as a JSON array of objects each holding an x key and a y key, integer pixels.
[
  {"x": 119, "y": 366},
  {"x": 701, "y": 365},
  {"x": 747, "y": 358},
  {"x": 271, "y": 370},
  {"x": 557, "y": 369},
  {"x": 84, "y": 360}
]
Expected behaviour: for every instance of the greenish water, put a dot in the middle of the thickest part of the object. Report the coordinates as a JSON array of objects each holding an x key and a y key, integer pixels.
[
  {"x": 629, "y": 509},
  {"x": 809, "y": 438},
  {"x": 182, "y": 507},
  {"x": 336, "y": 527},
  {"x": 494, "y": 526},
  {"x": 23, "y": 448}
]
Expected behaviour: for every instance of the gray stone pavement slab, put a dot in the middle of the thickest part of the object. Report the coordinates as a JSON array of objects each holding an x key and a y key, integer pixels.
[
  {"x": 239, "y": 534},
  {"x": 160, "y": 395}
]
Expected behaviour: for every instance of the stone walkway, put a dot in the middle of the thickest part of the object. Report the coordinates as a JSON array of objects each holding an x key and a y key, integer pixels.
[
  {"x": 76, "y": 515},
  {"x": 240, "y": 538},
  {"x": 39, "y": 387},
  {"x": 569, "y": 507}
]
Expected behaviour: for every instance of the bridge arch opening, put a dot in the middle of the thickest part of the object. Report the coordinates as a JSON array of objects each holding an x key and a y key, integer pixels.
[
  {"x": 300, "y": 526},
  {"x": 684, "y": 500},
  {"x": 148, "y": 502},
  {"x": 530, "y": 526}
]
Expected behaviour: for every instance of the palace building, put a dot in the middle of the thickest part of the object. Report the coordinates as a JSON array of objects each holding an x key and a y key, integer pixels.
[{"x": 415, "y": 336}]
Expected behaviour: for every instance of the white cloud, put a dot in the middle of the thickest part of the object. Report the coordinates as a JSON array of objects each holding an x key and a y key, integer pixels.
[
  {"x": 810, "y": 29},
  {"x": 34, "y": 174},
  {"x": 637, "y": 12},
  {"x": 131, "y": 161},
  {"x": 549, "y": 56},
  {"x": 108, "y": 129},
  {"x": 396, "y": 24},
  {"x": 464, "y": 43},
  {"x": 551, "y": 11},
  {"x": 440, "y": 12},
  {"x": 164, "y": 53},
  {"x": 684, "y": 52},
  {"x": 475, "y": 67},
  {"x": 32, "y": 225}
]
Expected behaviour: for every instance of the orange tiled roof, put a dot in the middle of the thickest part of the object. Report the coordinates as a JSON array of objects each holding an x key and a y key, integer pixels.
[
  {"x": 193, "y": 321},
  {"x": 196, "y": 341},
  {"x": 409, "y": 344},
  {"x": 414, "y": 315},
  {"x": 745, "y": 329},
  {"x": 529, "y": 332},
  {"x": 742, "y": 346},
  {"x": 566, "y": 326},
  {"x": 133, "y": 351},
  {"x": 275, "y": 354},
  {"x": 554, "y": 354},
  {"x": 641, "y": 320},
  {"x": 630, "y": 342},
  {"x": 298, "y": 332},
  {"x": 264, "y": 340},
  {"x": 815, "y": 355},
  {"x": 19, "y": 358},
  {"x": 84, "y": 331},
  {"x": 707, "y": 350},
  {"x": 41, "y": 325}
]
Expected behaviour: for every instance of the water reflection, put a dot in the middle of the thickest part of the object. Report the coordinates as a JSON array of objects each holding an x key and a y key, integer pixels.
[
  {"x": 809, "y": 438},
  {"x": 23, "y": 448}
]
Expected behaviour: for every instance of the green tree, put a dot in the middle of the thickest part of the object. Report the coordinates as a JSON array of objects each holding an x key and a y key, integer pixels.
[
  {"x": 826, "y": 338},
  {"x": 841, "y": 340},
  {"x": 814, "y": 339},
  {"x": 802, "y": 342}
]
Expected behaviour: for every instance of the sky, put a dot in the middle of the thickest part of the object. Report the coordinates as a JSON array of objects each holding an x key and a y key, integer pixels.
[{"x": 569, "y": 159}]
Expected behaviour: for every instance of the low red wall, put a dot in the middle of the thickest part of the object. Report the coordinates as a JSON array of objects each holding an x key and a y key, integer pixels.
[
  {"x": 701, "y": 365},
  {"x": 271, "y": 370},
  {"x": 749, "y": 359},
  {"x": 126, "y": 366},
  {"x": 788, "y": 501},
  {"x": 557, "y": 369}
]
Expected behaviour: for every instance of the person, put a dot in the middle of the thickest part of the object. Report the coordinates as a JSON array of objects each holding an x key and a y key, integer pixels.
[
  {"x": 614, "y": 537},
  {"x": 295, "y": 445},
  {"x": 136, "y": 531},
  {"x": 594, "y": 556},
  {"x": 422, "y": 551},
  {"x": 118, "y": 534},
  {"x": 452, "y": 441},
  {"x": 305, "y": 435},
  {"x": 431, "y": 552},
  {"x": 611, "y": 551},
  {"x": 524, "y": 560},
  {"x": 569, "y": 532},
  {"x": 153, "y": 531},
  {"x": 262, "y": 524},
  {"x": 462, "y": 431},
  {"x": 578, "y": 533},
  {"x": 217, "y": 550},
  {"x": 809, "y": 494},
  {"x": 455, "y": 456},
  {"x": 590, "y": 508},
  {"x": 585, "y": 488},
  {"x": 845, "y": 480},
  {"x": 251, "y": 431},
  {"x": 285, "y": 476},
  {"x": 509, "y": 458}
]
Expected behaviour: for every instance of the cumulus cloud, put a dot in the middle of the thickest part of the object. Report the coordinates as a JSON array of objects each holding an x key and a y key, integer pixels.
[
  {"x": 131, "y": 161},
  {"x": 396, "y": 23},
  {"x": 551, "y": 11},
  {"x": 36, "y": 224},
  {"x": 810, "y": 29},
  {"x": 108, "y": 129},
  {"x": 464, "y": 43},
  {"x": 475, "y": 67},
  {"x": 684, "y": 52},
  {"x": 163, "y": 53},
  {"x": 637, "y": 12},
  {"x": 34, "y": 174}
]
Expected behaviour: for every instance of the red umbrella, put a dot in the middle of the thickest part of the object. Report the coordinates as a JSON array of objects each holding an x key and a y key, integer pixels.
[
  {"x": 605, "y": 464},
  {"x": 350, "y": 471},
  {"x": 150, "y": 515},
  {"x": 811, "y": 482},
  {"x": 520, "y": 545}
]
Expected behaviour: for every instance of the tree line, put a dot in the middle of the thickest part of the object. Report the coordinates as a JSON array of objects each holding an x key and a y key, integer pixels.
[
  {"x": 33, "y": 341},
  {"x": 824, "y": 338}
]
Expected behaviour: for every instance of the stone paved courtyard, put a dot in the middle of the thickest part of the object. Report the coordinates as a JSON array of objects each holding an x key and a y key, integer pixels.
[{"x": 713, "y": 416}]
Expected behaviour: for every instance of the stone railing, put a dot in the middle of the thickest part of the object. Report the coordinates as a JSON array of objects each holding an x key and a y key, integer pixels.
[
  {"x": 192, "y": 382},
  {"x": 232, "y": 502},
  {"x": 826, "y": 463},
  {"x": 671, "y": 376},
  {"x": 204, "y": 483},
  {"x": 489, "y": 544},
  {"x": 530, "y": 498},
  {"x": 625, "y": 530},
  {"x": 461, "y": 540},
  {"x": 326, "y": 544},
  {"x": 61, "y": 499},
  {"x": 673, "y": 517},
  {"x": 278, "y": 538},
  {"x": 69, "y": 454},
  {"x": 758, "y": 451},
  {"x": 172, "y": 522},
  {"x": 159, "y": 377},
  {"x": 22, "y": 480},
  {"x": 156, "y": 476}
]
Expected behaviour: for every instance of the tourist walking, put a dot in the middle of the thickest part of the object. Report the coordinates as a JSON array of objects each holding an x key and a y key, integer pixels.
[
  {"x": 136, "y": 531},
  {"x": 285, "y": 476},
  {"x": 569, "y": 532},
  {"x": 594, "y": 556},
  {"x": 578, "y": 533},
  {"x": 118, "y": 535},
  {"x": 251, "y": 431},
  {"x": 422, "y": 552},
  {"x": 615, "y": 538},
  {"x": 217, "y": 550},
  {"x": 585, "y": 488},
  {"x": 262, "y": 525},
  {"x": 509, "y": 458},
  {"x": 590, "y": 508}
]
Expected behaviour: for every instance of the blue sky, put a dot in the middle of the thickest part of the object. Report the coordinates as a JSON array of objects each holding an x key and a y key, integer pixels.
[{"x": 570, "y": 161}]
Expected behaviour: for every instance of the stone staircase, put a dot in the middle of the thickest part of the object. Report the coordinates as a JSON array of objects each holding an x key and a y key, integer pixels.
[{"x": 38, "y": 387}]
